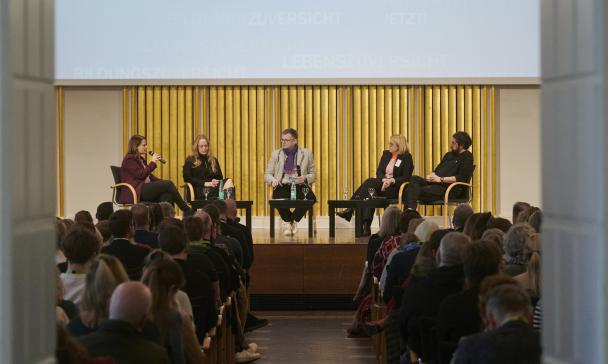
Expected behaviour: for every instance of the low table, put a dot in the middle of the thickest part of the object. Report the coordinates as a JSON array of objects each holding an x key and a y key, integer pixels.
[
  {"x": 240, "y": 204},
  {"x": 357, "y": 205},
  {"x": 291, "y": 204}
]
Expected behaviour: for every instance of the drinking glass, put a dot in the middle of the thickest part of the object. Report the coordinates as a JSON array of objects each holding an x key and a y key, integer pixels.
[
  {"x": 371, "y": 192},
  {"x": 206, "y": 191},
  {"x": 305, "y": 191},
  {"x": 228, "y": 193}
]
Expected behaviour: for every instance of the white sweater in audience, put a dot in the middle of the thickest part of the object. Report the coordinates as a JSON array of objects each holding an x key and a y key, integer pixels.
[{"x": 73, "y": 285}]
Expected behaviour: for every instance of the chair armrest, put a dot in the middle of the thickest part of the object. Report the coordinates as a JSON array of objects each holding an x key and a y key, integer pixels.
[
  {"x": 452, "y": 185},
  {"x": 400, "y": 195},
  {"x": 190, "y": 191},
  {"x": 114, "y": 186}
]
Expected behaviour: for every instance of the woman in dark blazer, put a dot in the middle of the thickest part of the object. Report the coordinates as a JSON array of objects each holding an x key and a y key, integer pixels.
[
  {"x": 136, "y": 172},
  {"x": 395, "y": 168},
  {"x": 202, "y": 170}
]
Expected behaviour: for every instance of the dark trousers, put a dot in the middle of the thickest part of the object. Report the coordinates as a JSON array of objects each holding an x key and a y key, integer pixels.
[
  {"x": 420, "y": 189},
  {"x": 362, "y": 193},
  {"x": 163, "y": 191},
  {"x": 284, "y": 191}
]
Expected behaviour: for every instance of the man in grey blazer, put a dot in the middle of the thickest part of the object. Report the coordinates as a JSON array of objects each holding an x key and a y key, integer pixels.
[{"x": 286, "y": 165}]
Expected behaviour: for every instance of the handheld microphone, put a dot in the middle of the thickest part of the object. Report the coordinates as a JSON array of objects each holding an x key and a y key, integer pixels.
[{"x": 160, "y": 160}]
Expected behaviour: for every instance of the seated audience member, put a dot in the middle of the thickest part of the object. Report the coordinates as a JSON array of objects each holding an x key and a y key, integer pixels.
[
  {"x": 388, "y": 228},
  {"x": 119, "y": 337},
  {"x": 167, "y": 209},
  {"x": 408, "y": 244},
  {"x": 461, "y": 213},
  {"x": 83, "y": 216},
  {"x": 530, "y": 280},
  {"x": 495, "y": 236},
  {"x": 61, "y": 316},
  {"x": 231, "y": 246},
  {"x": 227, "y": 231},
  {"x": 499, "y": 223},
  {"x": 80, "y": 247},
  {"x": 508, "y": 338},
  {"x": 459, "y": 313},
  {"x": 514, "y": 242},
  {"x": 104, "y": 210},
  {"x": 390, "y": 220},
  {"x": 421, "y": 299},
  {"x": 130, "y": 254},
  {"x": 425, "y": 230},
  {"x": 518, "y": 207},
  {"x": 156, "y": 216},
  {"x": 476, "y": 224},
  {"x": 68, "y": 224},
  {"x": 231, "y": 220},
  {"x": 535, "y": 220},
  {"x": 141, "y": 222},
  {"x": 524, "y": 216},
  {"x": 413, "y": 225},
  {"x": 201, "y": 278},
  {"x": 164, "y": 277},
  {"x": 104, "y": 229}
]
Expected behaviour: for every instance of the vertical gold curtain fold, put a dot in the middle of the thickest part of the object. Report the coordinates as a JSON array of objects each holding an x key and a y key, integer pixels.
[{"x": 346, "y": 127}]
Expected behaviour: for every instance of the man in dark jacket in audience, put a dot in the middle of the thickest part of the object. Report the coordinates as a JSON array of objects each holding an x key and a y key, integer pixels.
[
  {"x": 509, "y": 337},
  {"x": 141, "y": 221},
  {"x": 119, "y": 337},
  {"x": 421, "y": 299},
  {"x": 130, "y": 254}
]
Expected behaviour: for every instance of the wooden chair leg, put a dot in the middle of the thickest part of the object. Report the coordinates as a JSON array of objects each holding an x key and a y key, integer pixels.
[{"x": 445, "y": 216}]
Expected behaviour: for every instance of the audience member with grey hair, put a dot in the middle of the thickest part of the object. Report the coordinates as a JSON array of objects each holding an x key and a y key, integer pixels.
[
  {"x": 461, "y": 213},
  {"x": 508, "y": 338},
  {"x": 496, "y": 236},
  {"x": 167, "y": 209},
  {"x": 421, "y": 299},
  {"x": 514, "y": 242},
  {"x": 425, "y": 230},
  {"x": 119, "y": 337}
]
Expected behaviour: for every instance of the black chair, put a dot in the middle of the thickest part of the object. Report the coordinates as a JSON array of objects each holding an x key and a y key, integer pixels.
[{"x": 118, "y": 184}]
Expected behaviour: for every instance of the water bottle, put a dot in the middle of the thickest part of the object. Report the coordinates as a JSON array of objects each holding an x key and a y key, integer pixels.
[
  {"x": 293, "y": 190},
  {"x": 221, "y": 191}
]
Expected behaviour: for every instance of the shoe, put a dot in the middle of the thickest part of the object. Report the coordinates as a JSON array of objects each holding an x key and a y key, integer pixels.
[
  {"x": 246, "y": 356},
  {"x": 287, "y": 229},
  {"x": 254, "y": 323},
  {"x": 346, "y": 214},
  {"x": 294, "y": 227}
]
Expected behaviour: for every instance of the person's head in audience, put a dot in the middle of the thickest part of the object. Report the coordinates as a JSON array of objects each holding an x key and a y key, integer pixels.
[
  {"x": 476, "y": 224},
  {"x": 173, "y": 241},
  {"x": 495, "y": 236},
  {"x": 289, "y": 138},
  {"x": 83, "y": 216},
  {"x": 461, "y": 141},
  {"x": 524, "y": 216},
  {"x": 68, "y": 224},
  {"x": 164, "y": 277},
  {"x": 532, "y": 253},
  {"x": 104, "y": 210},
  {"x": 481, "y": 259},
  {"x": 193, "y": 226},
  {"x": 390, "y": 222},
  {"x": 408, "y": 238},
  {"x": 131, "y": 302},
  {"x": 535, "y": 220},
  {"x": 208, "y": 228},
  {"x": 80, "y": 246},
  {"x": 214, "y": 214},
  {"x": 515, "y": 240},
  {"x": 435, "y": 238},
  {"x": 87, "y": 225},
  {"x": 104, "y": 229},
  {"x": 487, "y": 284},
  {"x": 105, "y": 273},
  {"x": 461, "y": 213},
  {"x": 425, "y": 262},
  {"x": 221, "y": 207},
  {"x": 450, "y": 249},
  {"x": 156, "y": 215},
  {"x": 499, "y": 223},
  {"x": 506, "y": 302},
  {"x": 173, "y": 222},
  {"x": 411, "y": 227},
  {"x": 425, "y": 230},
  {"x": 518, "y": 207},
  {"x": 406, "y": 217},
  {"x": 231, "y": 210},
  {"x": 121, "y": 224},
  {"x": 68, "y": 349},
  {"x": 168, "y": 210},
  {"x": 141, "y": 216}
]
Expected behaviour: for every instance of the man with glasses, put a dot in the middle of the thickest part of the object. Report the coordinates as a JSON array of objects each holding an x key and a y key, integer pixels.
[
  {"x": 290, "y": 164},
  {"x": 455, "y": 166}
]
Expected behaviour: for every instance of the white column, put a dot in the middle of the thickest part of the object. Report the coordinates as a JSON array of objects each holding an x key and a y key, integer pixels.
[
  {"x": 27, "y": 182},
  {"x": 574, "y": 172}
]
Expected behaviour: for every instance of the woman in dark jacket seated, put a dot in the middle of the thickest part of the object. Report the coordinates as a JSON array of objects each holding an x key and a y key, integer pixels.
[
  {"x": 202, "y": 170},
  {"x": 395, "y": 168},
  {"x": 149, "y": 188}
]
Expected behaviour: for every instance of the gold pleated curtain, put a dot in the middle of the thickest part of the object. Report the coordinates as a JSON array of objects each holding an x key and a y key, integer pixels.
[{"x": 346, "y": 127}]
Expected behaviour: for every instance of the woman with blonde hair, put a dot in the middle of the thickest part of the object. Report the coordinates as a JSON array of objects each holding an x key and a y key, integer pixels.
[
  {"x": 202, "y": 170},
  {"x": 395, "y": 168},
  {"x": 530, "y": 280}
]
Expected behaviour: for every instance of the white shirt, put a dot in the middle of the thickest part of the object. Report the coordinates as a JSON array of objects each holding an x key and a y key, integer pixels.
[{"x": 73, "y": 285}]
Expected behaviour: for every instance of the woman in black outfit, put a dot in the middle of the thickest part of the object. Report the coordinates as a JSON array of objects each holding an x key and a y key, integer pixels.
[
  {"x": 395, "y": 168},
  {"x": 202, "y": 170}
]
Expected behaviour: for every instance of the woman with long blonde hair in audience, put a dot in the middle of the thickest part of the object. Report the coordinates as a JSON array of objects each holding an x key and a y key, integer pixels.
[
  {"x": 202, "y": 170},
  {"x": 164, "y": 277},
  {"x": 530, "y": 280}
]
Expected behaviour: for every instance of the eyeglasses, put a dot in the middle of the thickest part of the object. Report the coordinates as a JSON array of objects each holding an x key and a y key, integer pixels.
[{"x": 286, "y": 140}]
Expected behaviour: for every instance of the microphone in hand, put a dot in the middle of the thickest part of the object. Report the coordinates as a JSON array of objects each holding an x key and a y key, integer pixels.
[{"x": 160, "y": 159}]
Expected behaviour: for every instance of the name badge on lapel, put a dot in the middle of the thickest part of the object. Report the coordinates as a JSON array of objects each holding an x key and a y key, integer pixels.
[{"x": 398, "y": 163}]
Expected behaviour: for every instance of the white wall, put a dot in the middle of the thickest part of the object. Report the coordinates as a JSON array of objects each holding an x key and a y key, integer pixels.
[
  {"x": 519, "y": 157},
  {"x": 93, "y": 142}
]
